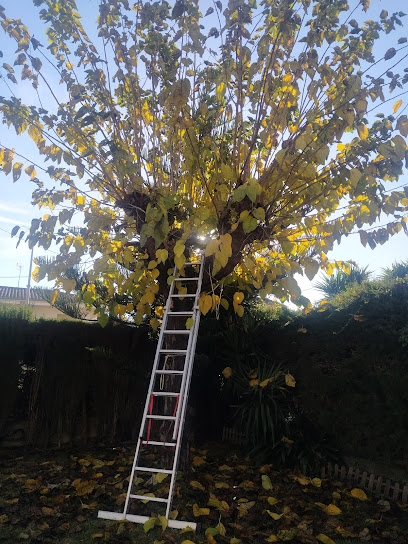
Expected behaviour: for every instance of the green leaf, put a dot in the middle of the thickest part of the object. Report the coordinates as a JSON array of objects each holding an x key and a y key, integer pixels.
[
  {"x": 266, "y": 482},
  {"x": 149, "y": 524},
  {"x": 189, "y": 323}
]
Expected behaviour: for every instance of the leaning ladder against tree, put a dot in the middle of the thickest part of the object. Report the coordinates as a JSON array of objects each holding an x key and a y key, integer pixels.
[{"x": 165, "y": 408}]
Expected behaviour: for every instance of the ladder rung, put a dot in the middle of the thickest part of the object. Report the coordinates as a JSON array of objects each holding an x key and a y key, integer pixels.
[
  {"x": 174, "y": 351},
  {"x": 192, "y": 264},
  {"x": 185, "y": 295},
  {"x": 170, "y": 372},
  {"x": 152, "y": 469},
  {"x": 183, "y": 331},
  {"x": 146, "y": 498},
  {"x": 187, "y": 279},
  {"x": 180, "y": 313},
  {"x": 170, "y": 418},
  {"x": 155, "y": 443},
  {"x": 164, "y": 394}
]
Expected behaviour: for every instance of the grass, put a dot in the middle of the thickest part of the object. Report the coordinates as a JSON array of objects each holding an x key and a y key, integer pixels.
[{"x": 54, "y": 496}]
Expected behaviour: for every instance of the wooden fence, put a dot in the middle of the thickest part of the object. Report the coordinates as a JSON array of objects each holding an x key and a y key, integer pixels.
[{"x": 374, "y": 485}]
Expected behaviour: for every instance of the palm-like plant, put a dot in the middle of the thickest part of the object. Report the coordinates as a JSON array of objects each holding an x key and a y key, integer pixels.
[
  {"x": 396, "y": 270},
  {"x": 340, "y": 280}
]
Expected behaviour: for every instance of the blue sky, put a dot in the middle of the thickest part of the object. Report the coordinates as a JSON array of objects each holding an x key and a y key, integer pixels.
[{"x": 15, "y": 201}]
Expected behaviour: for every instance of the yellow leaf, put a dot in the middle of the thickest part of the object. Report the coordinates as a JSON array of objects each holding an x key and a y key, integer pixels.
[
  {"x": 253, "y": 383},
  {"x": 344, "y": 533},
  {"x": 160, "y": 476},
  {"x": 332, "y": 510},
  {"x": 154, "y": 324},
  {"x": 396, "y": 106},
  {"x": 227, "y": 372},
  {"x": 146, "y": 501},
  {"x": 220, "y": 91},
  {"x": 149, "y": 524},
  {"x": 272, "y": 500},
  {"x": 187, "y": 542},
  {"x": 97, "y": 535},
  {"x": 316, "y": 482},
  {"x": 274, "y": 515},
  {"x": 290, "y": 380},
  {"x": 198, "y": 461},
  {"x": 362, "y": 131},
  {"x": 358, "y": 494},
  {"x": 205, "y": 303},
  {"x": 303, "y": 330},
  {"x": 266, "y": 482},
  {"x": 225, "y": 303},
  {"x": 325, "y": 539},
  {"x": 196, "y": 485},
  {"x": 336, "y": 495},
  {"x": 272, "y": 538},
  {"x": 240, "y": 310},
  {"x": 238, "y": 297},
  {"x": 303, "y": 480},
  {"x": 161, "y": 255},
  {"x": 163, "y": 521},
  {"x": 212, "y": 247},
  {"x": 189, "y": 323},
  {"x": 200, "y": 511},
  {"x": 221, "y": 485}
]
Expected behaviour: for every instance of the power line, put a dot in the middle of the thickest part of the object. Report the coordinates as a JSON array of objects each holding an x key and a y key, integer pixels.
[{"x": 12, "y": 277}]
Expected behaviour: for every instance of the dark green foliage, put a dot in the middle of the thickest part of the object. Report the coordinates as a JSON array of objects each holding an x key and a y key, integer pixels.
[
  {"x": 396, "y": 270},
  {"x": 67, "y": 304},
  {"x": 351, "y": 369},
  {"x": 339, "y": 281}
]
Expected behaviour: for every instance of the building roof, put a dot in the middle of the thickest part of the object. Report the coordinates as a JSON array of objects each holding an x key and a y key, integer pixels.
[{"x": 17, "y": 293}]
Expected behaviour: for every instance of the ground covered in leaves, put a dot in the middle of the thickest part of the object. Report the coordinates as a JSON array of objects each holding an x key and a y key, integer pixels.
[{"x": 54, "y": 496}]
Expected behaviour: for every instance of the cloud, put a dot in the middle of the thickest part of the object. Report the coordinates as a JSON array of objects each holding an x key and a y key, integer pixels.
[
  {"x": 12, "y": 221},
  {"x": 14, "y": 209}
]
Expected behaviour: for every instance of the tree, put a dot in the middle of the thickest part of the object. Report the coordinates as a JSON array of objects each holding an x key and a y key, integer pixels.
[
  {"x": 340, "y": 280},
  {"x": 398, "y": 270},
  {"x": 241, "y": 130}
]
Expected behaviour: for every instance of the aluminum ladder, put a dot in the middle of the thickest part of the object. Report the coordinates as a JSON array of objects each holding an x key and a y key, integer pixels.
[{"x": 176, "y": 420}]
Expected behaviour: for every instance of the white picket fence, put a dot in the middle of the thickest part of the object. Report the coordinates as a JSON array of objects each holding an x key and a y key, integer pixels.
[{"x": 374, "y": 485}]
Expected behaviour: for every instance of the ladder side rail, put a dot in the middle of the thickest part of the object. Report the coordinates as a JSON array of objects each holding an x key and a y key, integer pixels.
[
  {"x": 191, "y": 348},
  {"x": 147, "y": 403},
  {"x": 182, "y": 421}
]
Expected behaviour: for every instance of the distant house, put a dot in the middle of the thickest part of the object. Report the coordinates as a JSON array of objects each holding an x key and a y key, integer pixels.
[{"x": 41, "y": 308}]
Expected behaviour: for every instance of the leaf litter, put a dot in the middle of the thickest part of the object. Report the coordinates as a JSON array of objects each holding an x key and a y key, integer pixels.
[{"x": 55, "y": 496}]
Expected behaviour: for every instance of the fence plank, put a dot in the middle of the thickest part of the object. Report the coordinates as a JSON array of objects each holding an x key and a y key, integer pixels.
[
  {"x": 378, "y": 487},
  {"x": 396, "y": 492},
  {"x": 363, "y": 480},
  {"x": 404, "y": 498},
  {"x": 387, "y": 489},
  {"x": 370, "y": 485}
]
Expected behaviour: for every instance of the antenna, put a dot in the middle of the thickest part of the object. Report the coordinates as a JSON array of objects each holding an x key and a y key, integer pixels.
[{"x": 18, "y": 265}]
